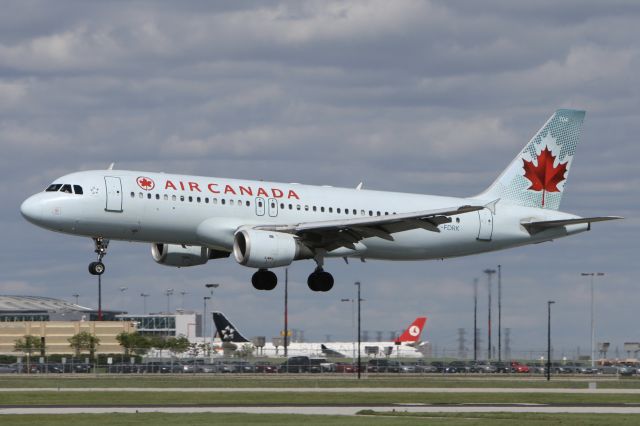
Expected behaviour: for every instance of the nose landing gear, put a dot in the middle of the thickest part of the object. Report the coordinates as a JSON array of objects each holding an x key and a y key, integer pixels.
[{"x": 97, "y": 268}]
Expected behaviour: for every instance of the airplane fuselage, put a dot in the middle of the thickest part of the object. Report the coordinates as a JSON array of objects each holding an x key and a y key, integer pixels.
[{"x": 202, "y": 211}]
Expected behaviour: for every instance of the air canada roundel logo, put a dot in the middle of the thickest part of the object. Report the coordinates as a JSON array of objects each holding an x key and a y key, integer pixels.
[
  {"x": 145, "y": 183},
  {"x": 414, "y": 330}
]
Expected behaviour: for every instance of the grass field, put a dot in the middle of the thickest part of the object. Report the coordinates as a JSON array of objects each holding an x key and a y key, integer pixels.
[
  {"x": 303, "y": 380},
  {"x": 400, "y": 419}
]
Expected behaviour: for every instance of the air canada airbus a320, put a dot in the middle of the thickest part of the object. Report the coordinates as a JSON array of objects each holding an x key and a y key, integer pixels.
[{"x": 190, "y": 220}]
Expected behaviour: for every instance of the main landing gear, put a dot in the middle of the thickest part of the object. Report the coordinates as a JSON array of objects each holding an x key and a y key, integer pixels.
[
  {"x": 320, "y": 280},
  {"x": 264, "y": 279},
  {"x": 97, "y": 268}
]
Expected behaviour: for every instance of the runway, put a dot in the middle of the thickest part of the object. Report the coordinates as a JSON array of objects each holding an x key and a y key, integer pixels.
[
  {"x": 333, "y": 409},
  {"x": 337, "y": 390}
]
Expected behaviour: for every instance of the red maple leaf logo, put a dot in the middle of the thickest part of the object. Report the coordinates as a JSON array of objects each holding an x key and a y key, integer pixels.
[
  {"x": 145, "y": 183},
  {"x": 545, "y": 177}
]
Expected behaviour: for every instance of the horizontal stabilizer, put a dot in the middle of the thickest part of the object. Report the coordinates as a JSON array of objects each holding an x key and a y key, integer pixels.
[{"x": 535, "y": 227}]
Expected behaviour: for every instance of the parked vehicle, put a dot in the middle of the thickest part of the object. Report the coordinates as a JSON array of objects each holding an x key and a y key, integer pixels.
[
  {"x": 5, "y": 368},
  {"x": 295, "y": 364},
  {"x": 383, "y": 365},
  {"x": 344, "y": 367},
  {"x": 516, "y": 367},
  {"x": 265, "y": 367},
  {"x": 483, "y": 367}
]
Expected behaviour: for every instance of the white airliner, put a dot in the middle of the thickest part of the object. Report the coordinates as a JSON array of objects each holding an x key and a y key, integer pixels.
[
  {"x": 192, "y": 219},
  {"x": 407, "y": 345}
]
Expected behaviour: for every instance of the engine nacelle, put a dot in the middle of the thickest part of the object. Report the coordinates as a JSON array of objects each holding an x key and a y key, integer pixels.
[
  {"x": 179, "y": 256},
  {"x": 267, "y": 249}
]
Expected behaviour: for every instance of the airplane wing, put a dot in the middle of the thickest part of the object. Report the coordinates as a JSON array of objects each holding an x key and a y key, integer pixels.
[
  {"x": 536, "y": 227},
  {"x": 332, "y": 234}
]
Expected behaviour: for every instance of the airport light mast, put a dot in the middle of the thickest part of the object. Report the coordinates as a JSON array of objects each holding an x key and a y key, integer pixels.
[
  {"x": 593, "y": 327},
  {"x": 210, "y": 287},
  {"x": 357, "y": 284},
  {"x": 549, "y": 303},
  {"x": 489, "y": 272}
]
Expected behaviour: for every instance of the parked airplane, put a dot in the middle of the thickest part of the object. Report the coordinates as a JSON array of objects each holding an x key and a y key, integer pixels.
[
  {"x": 191, "y": 219},
  {"x": 407, "y": 345}
]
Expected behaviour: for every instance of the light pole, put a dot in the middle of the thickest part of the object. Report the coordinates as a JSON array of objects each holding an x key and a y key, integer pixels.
[
  {"x": 593, "y": 328},
  {"x": 475, "y": 319},
  {"x": 168, "y": 292},
  {"x": 549, "y": 303},
  {"x": 210, "y": 287},
  {"x": 499, "y": 313},
  {"x": 353, "y": 327},
  {"x": 122, "y": 291},
  {"x": 144, "y": 302},
  {"x": 286, "y": 313},
  {"x": 357, "y": 284},
  {"x": 204, "y": 334},
  {"x": 76, "y": 296},
  {"x": 489, "y": 272},
  {"x": 182, "y": 293}
]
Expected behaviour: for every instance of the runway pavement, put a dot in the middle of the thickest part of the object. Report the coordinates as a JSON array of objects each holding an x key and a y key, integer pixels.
[
  {"x": 332, "y": 409},
  {"x": 338, "y": 390}
]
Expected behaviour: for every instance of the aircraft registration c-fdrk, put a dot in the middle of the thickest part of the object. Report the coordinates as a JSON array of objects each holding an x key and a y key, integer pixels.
[{"x": 190, "y": 220}]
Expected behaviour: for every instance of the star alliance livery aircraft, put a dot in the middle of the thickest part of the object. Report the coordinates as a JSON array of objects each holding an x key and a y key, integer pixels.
[{"x": 190, "y": 220}]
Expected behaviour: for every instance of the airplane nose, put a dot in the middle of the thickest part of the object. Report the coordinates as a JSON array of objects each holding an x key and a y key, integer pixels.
[{"x": 31, "y": 210}]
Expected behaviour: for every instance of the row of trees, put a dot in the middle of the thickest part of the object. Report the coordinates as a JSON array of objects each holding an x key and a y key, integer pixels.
[{"x": 133, "y": 343}]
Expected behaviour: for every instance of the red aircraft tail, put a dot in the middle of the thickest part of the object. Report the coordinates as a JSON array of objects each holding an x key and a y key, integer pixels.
[{"x": 412, "y": 334}]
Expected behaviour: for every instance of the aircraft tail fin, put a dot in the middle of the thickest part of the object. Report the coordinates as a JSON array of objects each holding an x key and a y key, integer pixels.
[
  {"x": 413, "y": 332},
  {"x": 227, "y": 331},
  {"x": 537, "y": 176}
]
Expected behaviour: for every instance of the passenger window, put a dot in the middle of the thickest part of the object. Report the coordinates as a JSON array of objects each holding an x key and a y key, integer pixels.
[
  {"x": 173, "y": 198},
  {"x": 166, "y": 197},
  {"x": 215, "y": 201},
  {"x": 190, "y": 199},
  {"x": 259, "y": 203},
  {"x": 281, "y": 206},
  {"x": 133, "y": 194},
  {"x": 149, "y": 195},
  {"x": 273, "y": 205},
  {"x": 355, "y": 212},
  {"x": 66, "y": 188},
  {"x": 298, "y": 206},
  {"x": 370, "y": 213},
  {"x": 157, "y": 196},
  {"x": 230, "y": 202},
  {"x": 206, "y": 200},
  {"x": 362, "y": 212},
  {"x": 198, "y": 199},
  {"x": 330, "y": 209},
  {"x": 338, "y": 210},
  {"x": 306, "y": 207},
  {"x": 140, "y": 195},
  {"x": 322, "y": 209},
  {"x": 315, "y": 208},
  {"x": 182, "y": 198},
  {"x": 77, "y": 189},
  {"x": 290, "y": 206},
  {"x": 377, "y": 213},
  {"x": 248, "y": 203},
  {"x": 54, "y": 187},
  {"x": 239, "y": 202},
  {"x": 222, "y": 201},
  {"x": 386, "y": 213}
]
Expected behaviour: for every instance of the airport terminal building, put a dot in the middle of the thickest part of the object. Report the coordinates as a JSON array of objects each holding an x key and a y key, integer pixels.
[{"x": 57, "y": 320}]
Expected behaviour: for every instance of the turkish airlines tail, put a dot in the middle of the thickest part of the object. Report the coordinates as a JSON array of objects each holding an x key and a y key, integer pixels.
[
  {"x": 412, "y": 334},
  {"x": 537, "y": 176}
]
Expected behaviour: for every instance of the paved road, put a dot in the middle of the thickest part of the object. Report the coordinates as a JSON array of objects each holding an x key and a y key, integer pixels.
[
  {"x": 337, "y": 390},
  {"x": 331, "y": 410}
]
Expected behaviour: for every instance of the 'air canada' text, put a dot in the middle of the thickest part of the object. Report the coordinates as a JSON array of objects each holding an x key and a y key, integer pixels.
[{"x": 227, "y": 189}]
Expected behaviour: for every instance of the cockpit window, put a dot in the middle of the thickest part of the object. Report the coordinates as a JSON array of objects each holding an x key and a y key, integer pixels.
[
  {"x": 53, "y": 187},
  {"x": 77, "y": 189},
  {"x": 66, "y": 188}
]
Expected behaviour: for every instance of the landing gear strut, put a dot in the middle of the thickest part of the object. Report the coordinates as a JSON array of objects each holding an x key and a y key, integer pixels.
[
  {"x": 97, "y": 268},
  {"x": 264, "y": 279}
]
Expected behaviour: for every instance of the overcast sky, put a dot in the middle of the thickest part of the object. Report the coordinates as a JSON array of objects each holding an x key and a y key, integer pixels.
[{"x": 417, "y": 96}]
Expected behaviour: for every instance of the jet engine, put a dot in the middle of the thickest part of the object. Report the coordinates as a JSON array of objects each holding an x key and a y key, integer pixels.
[
  {"x": 179, "y": 255},
  {"x": 267, "y": 249}
]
